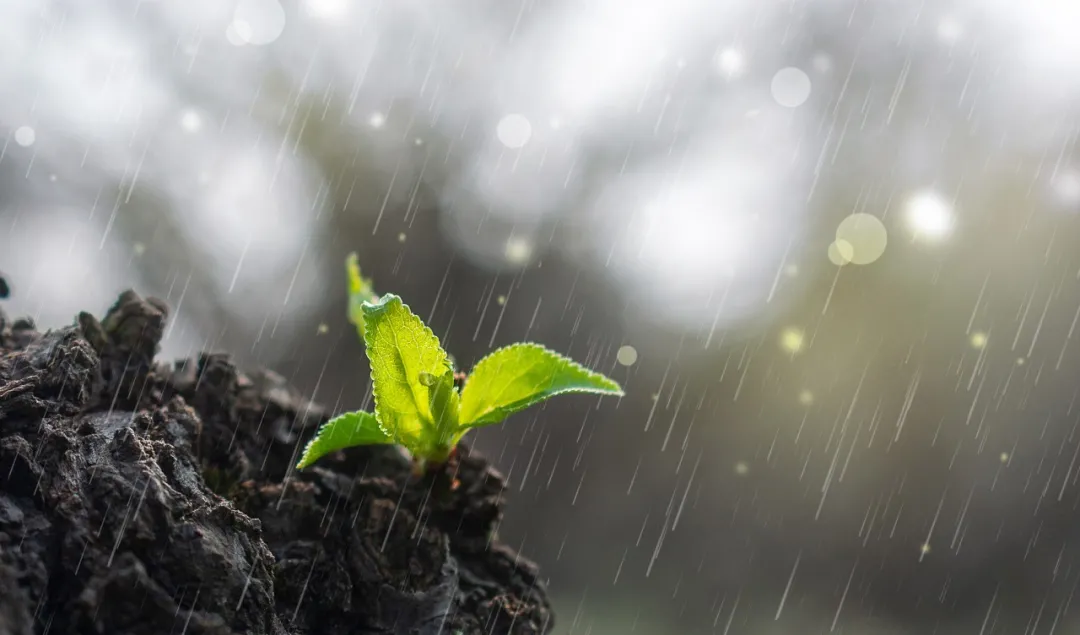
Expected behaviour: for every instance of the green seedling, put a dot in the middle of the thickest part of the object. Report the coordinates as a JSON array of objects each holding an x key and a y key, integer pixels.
[
  {"x": 360, "y": 291},
  {"x": 418, "y": 403}
]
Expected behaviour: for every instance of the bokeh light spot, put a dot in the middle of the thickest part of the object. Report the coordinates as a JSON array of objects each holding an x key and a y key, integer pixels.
[
  {"x": 518, "y": 250},
  {"x": 627, "y": 355},
  {"x": 822, "y": 63},
  {"x": 25, "y": 136},
  {"x": 792, "y": 340},
  {"x": 978, "y": 340},
  {"x": 949, "y": 30},
  {"x": 791, "y": 87},
  {"x": 514, "y": 131},
  {"x": 866, "y": 237},
  {"x": 326, "y": 8},
  {"x": 190, "y": 121},
  {"x": 930, "y": 216},
  {"x": 257, "y": 22},
  {"x": 1067, "y": 187},
  {"x": 237, "y": 33},
  {"x": 840, "y": 252},
  {"x": 730, "y": 62}
]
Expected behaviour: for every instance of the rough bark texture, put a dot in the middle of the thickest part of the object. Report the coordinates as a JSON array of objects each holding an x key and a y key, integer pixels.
[{"x": 152, "y": 499}]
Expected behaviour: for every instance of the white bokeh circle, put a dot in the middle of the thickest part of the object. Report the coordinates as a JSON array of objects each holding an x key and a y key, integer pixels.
[
  {"x": 25, "y": 136},
  {"x": 790, "y": 87},
  {"x": 256, "y": 22},
  {"x": 514, "y": 131}
]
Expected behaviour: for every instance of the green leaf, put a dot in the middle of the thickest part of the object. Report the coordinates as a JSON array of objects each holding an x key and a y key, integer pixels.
[
  {"x": 345, "y": 431},
  {"x": 360, "y": 291},
  {"x": 518, "y": 376},
  {"x": 405, "y": 355}
]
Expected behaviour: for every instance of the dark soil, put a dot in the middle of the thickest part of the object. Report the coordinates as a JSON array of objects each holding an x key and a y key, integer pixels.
[{"x": 151, "y": 499}]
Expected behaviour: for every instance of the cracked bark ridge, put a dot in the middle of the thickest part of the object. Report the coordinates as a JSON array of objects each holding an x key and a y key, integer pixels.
[{"x": 141, "y": 498}]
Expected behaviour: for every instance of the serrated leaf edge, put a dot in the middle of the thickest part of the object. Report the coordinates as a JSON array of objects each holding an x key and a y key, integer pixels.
[
  {"x": 383, "y": 301},
  {"x": 616, "y": 392},
  {"x": 301, "y": 465}
]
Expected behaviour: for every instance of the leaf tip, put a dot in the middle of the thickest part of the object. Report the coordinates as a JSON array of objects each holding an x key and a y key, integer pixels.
[
  {"x": 310, "y": 453},
  {"x": 352, "y": 271},
  {"x": 606, "y": 386},
  {"x": 381, "y": 304}
]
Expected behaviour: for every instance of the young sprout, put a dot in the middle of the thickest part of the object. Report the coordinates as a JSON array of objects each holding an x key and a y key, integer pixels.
[
  {"x": 360, "y": 291},
  {"x": 419, "y": 405}
]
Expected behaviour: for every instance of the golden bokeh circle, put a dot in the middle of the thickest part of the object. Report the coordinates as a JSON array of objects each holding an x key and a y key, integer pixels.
[
  {"x": 866, "y": 235},
  {"x": 840, "y": 252}
]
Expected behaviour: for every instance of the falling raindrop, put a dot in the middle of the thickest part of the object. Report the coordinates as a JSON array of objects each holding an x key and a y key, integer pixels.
[{"x": 626, "y": 355}]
